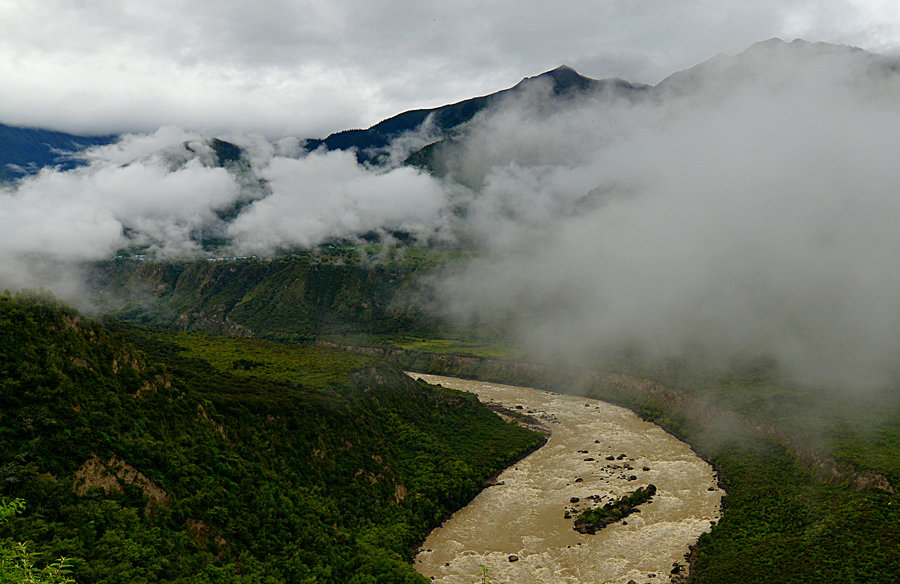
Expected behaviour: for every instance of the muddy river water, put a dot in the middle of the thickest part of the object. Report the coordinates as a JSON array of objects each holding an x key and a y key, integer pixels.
[{"x": 523, "y": 515}]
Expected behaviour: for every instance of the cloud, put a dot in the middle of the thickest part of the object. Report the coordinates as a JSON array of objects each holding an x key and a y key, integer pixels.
[
  {"x": 308, "y": 68},
  {"x": 167, "y": 193},
  {"x": 328, "y": 195},
  {"x": 745, "y": 209}
]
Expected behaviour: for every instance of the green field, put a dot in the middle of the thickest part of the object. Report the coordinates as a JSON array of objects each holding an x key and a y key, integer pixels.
[{"x": 308, "y": 366}]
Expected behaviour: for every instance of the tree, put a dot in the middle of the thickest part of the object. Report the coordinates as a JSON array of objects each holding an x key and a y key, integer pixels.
[{"x": 17, "y": 564}]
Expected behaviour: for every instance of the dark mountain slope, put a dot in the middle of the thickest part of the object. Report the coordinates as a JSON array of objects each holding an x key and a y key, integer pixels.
[
  {"x": 288, "y": 298},
  {"x": 564, "y": 82},
  {"x": 24, "y": 151}
]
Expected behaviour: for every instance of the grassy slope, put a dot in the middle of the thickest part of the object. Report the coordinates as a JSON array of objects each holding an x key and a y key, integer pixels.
[{"x": 274, "y": 473}]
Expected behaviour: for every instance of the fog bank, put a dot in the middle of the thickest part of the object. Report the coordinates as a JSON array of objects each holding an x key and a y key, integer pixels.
[{"x": 746, "y": 208}]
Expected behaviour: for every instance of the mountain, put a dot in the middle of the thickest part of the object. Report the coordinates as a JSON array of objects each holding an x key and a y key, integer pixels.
[
  {"x": 290, "y": 298},
  {"x": 777, "y": 61},
  {"x": 438, "y": 122},
  {"x": 464, "y": 142},
  {"x": 24, "y": 151}
]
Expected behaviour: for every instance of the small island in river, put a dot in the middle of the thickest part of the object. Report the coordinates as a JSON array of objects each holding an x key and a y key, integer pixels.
[{"x": 599, "y": 517}]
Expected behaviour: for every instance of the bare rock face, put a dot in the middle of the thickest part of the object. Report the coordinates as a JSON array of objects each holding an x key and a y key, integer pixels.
[{"x": 112, "y": 474}]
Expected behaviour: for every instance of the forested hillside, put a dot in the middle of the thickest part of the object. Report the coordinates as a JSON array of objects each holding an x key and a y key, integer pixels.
[
  {"x": 154, "y": 457},
  {"x": 295, "y": 297}
]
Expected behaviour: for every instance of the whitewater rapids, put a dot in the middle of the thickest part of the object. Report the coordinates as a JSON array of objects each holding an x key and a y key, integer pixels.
[{"x": 523, "y": 514}]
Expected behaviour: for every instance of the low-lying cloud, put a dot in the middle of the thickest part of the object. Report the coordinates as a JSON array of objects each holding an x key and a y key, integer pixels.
[
  {"x": 745, "y": 208},
  {"x": 165, "y": 194},
  {"x": 326, "y": 195}
]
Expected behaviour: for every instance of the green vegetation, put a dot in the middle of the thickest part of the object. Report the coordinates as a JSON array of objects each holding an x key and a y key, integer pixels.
[
  {"x": 451, "y": 347},
  {"x": 486, "y": 577},
  {"x": 786, "y": 519},
  {"x": 789, "y": 518},
  {"x": 426, "y": 343},
  {"x": 591, "y": 520},
  {"x": 312, "y": 367},
  {"x": 171, "y": 457},
  {"x": 296, "y": 297},
  {"x": 859, "y": 427},
  {"x": 782, "y": 524},
  {"x": 18, "y": 565}
]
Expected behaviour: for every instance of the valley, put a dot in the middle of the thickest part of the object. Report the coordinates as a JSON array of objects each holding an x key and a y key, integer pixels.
[
  {"x": 211, "y": 341},
  {"x": 529, "y": 514},
  {"x": 805, "y": 478}
]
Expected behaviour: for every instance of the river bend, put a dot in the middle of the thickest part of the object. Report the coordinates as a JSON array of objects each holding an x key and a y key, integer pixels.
[{"x": 524, "y": 514}]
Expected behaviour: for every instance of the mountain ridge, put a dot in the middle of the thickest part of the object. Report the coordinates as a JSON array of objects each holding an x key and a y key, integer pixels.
[
  {"x": 564, "y": 81},
  {"x": 25, "y": 150}
]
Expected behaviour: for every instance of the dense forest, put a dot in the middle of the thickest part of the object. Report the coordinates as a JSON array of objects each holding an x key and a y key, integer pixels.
[{"x": 149, "y": 456}]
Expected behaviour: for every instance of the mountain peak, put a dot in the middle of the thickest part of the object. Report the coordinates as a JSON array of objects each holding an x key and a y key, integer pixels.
[
  {"x": 564, "y": 78},
  {"x": 564, "y": 70},
  {"x": 771, "y": 59},
  {"x": 563, "y": 74}
]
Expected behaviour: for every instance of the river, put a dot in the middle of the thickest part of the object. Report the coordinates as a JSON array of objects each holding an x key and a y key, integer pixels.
[{"x": 523, "y": 515}]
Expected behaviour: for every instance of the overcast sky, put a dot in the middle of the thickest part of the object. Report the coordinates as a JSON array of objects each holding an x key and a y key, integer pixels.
[{"x": 309, "y": 67}]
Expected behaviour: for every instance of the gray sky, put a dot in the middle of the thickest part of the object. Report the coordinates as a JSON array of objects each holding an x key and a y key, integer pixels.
[{"x": 309, "y": 67}]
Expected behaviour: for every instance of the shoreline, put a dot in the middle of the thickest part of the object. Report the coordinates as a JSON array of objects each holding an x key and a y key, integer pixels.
[{"x": 491, "y": 481}]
